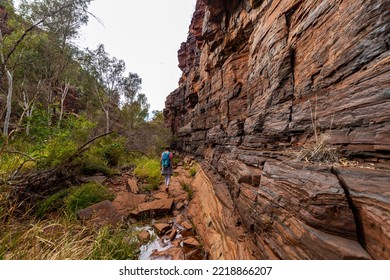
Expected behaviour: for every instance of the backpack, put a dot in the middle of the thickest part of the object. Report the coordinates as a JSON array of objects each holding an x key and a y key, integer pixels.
[{"x": 166, "y": 160}]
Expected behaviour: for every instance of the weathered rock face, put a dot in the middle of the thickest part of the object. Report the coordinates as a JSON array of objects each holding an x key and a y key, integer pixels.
[{"x": 261, "y": 80}]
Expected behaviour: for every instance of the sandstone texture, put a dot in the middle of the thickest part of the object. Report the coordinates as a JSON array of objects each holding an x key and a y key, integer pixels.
[{"x": 264, "y": 80}]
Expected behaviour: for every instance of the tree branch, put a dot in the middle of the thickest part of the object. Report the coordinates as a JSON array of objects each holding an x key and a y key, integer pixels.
[{"x": 27, "y": 31}]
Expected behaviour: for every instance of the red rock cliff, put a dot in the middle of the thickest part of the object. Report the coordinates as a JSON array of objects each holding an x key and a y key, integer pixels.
[{"x": 265, "y": 80}]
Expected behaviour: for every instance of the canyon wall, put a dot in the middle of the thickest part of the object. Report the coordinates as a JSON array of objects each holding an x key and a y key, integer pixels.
[{"x": 288, "y": 104}]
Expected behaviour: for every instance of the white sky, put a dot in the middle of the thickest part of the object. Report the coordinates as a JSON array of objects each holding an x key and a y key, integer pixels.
[{"x": 146, "y": 34}]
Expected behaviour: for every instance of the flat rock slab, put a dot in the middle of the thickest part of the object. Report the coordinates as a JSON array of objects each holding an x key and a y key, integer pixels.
[
  {"x": 162, "y": 228},
  {"x": 100, "y": 214},
  {"x": 96, "y": 178},
  {"x": 161, "y": 195},
  {"x": 153, "y": 208},
  {"x": 186, "y": 225},
  {"x": 191, "y": 242},
  {"x": 125, "y": 202},
  {"x": 169, "y": 254},
  {"x": 179, "y": 205},
  {"x": 132, "y": 185}
]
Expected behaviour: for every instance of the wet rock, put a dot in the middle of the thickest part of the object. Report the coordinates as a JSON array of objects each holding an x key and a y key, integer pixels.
[
  {"x": 171, "y": 234},
  {"x": 144, "y": 236},
  {"x": 161, "y": 228},
  {"x": 100, "y": 214}
]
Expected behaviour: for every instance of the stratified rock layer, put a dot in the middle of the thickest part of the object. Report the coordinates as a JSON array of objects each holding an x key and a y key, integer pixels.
[{"x": 264, "y": 79}]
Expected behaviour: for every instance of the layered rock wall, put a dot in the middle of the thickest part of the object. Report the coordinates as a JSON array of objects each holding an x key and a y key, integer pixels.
[{"x": 264, "y": 80}]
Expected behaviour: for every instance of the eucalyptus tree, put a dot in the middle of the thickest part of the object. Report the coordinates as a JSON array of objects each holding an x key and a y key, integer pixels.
[
  {"x": 54, "y": 21},
  {"x": 108, "y": 73}
]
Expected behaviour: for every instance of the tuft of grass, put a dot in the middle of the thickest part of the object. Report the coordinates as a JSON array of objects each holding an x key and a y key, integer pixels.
[
  {"x": 318, "y": 152},
  {"x": 189, "y": 191},
  {"x": 193, "y": 172},
  {"x": 116, "y": 244},
  {"x": 62, "y": 240},
  {"x": 51, "y": 204},
  {"x": 86, "y": 195},
  {"x": 148, "y": 170}
]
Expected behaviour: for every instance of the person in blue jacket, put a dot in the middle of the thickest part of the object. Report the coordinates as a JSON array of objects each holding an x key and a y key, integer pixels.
[{"x": 166, "y": 166}]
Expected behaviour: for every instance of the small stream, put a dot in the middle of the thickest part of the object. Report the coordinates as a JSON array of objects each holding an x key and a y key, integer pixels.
[{"x": 163, "y": 243}]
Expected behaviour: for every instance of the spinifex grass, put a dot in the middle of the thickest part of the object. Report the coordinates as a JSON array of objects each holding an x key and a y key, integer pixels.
[{"x": 43, "y": 240}]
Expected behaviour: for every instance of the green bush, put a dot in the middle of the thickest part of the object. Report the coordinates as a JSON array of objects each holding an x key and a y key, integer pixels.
[
  {"x": 52, "y": 203},
  {"x": 109, "y": 150},
  {"x": 87, "y": 195},
  {"x": 56, "y": 151},
  {"x": 148, "y": 169},
  {"x": 92, "y": 164}
]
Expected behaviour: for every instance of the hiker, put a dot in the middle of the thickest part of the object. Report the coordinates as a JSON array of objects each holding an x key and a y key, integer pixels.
[{"x": 166, "y": 166}]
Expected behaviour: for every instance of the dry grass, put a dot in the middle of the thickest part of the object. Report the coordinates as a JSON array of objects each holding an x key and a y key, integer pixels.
[
  {"x": 44, "y": 240},
  {"x": 318, "y": 152}
]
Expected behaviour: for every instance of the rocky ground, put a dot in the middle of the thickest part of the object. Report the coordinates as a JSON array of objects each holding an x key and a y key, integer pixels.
[{"x": 160, "y": 217}]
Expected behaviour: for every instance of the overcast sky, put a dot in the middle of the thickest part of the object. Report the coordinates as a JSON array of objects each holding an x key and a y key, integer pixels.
[{"x": 147, "y": 35}]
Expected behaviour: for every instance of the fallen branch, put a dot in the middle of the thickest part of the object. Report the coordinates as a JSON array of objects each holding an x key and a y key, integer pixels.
[{"x": 32, "y": 185}]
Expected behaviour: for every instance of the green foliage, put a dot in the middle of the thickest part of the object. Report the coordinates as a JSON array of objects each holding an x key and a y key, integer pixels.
[
  {"x": 193, "y": 172},
  {"x": 113, "y": 150},
  {"x": 188, "y": 189},
  {"x": 119, "y": 244},
  {"x": 87, "y": 195},
  {"x": 148, "y": 169},
  {"x": 51, "y": 204},
  {"x": 104, "y": 155},
  {"x": 51, "y": 145},
  {"x": 91, "y": 164}
]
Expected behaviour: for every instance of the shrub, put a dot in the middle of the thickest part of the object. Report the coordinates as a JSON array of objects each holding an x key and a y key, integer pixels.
[
  {"x": 92, "y": 164},
  {"x": 193, "y": 172},
  {"x": 52, "y": 203},
  {"x": 56, "y": 151},
  {"x": 86, "y": 195},
  {"x": 113, "y": 150},
  {"x": 148, "y": 170}
]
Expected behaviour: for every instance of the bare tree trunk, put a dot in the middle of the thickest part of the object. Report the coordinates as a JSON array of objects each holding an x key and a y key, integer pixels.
[
  {"x": 63, "y": 96},
  {"x": 10, "y": 88},
  {"x": 107, "y": 120},
  {"x": 9, "y": 102},
  {"x": 106, "y": 110},
  {"x": 28, "y": 107}
]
